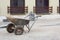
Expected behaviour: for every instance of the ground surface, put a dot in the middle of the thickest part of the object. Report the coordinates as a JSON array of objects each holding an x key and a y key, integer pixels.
[{"x": 45, "y": 28}]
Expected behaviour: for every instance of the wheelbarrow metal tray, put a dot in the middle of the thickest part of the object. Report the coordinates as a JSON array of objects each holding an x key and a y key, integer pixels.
[{"x": 19, "y": 21}]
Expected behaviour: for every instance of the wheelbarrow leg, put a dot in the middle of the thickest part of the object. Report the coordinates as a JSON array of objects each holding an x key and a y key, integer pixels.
[{"x": 28, "y": 27}]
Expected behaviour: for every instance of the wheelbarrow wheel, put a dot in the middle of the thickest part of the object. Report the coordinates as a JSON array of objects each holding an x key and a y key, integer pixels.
[
  {"x": 19, "y": 31},
  {"x": 10, "y": 28}
]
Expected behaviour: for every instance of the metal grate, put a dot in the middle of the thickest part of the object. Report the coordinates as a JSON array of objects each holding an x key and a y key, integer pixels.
[
  {"x": 42, "y": 9},
  {"x": 17, "y": 9}
]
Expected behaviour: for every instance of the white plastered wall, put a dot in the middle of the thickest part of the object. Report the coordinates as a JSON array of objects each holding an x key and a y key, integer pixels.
[
  {"x": 5, "y": 3},
  {"x": 54, "y": 4},
  {"x": 3, "y": 6},
  {"x": 29, "y": 3}
]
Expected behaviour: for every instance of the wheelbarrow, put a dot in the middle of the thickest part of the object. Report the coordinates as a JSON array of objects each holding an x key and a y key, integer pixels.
[{"x": 17, "y": 25}]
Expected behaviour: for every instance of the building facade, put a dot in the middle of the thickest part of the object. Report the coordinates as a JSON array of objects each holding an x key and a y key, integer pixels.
[{"x": 19, "y": 7}]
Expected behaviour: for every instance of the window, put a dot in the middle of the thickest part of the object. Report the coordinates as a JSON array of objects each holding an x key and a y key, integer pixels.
[
  {"x": 59, "y": 3},
  {"x": 13, "y": 3},
  {"x": 58, "y": 8},
  {"x": 17, "y": 6},
  {"x": 42, "y": 6}
]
